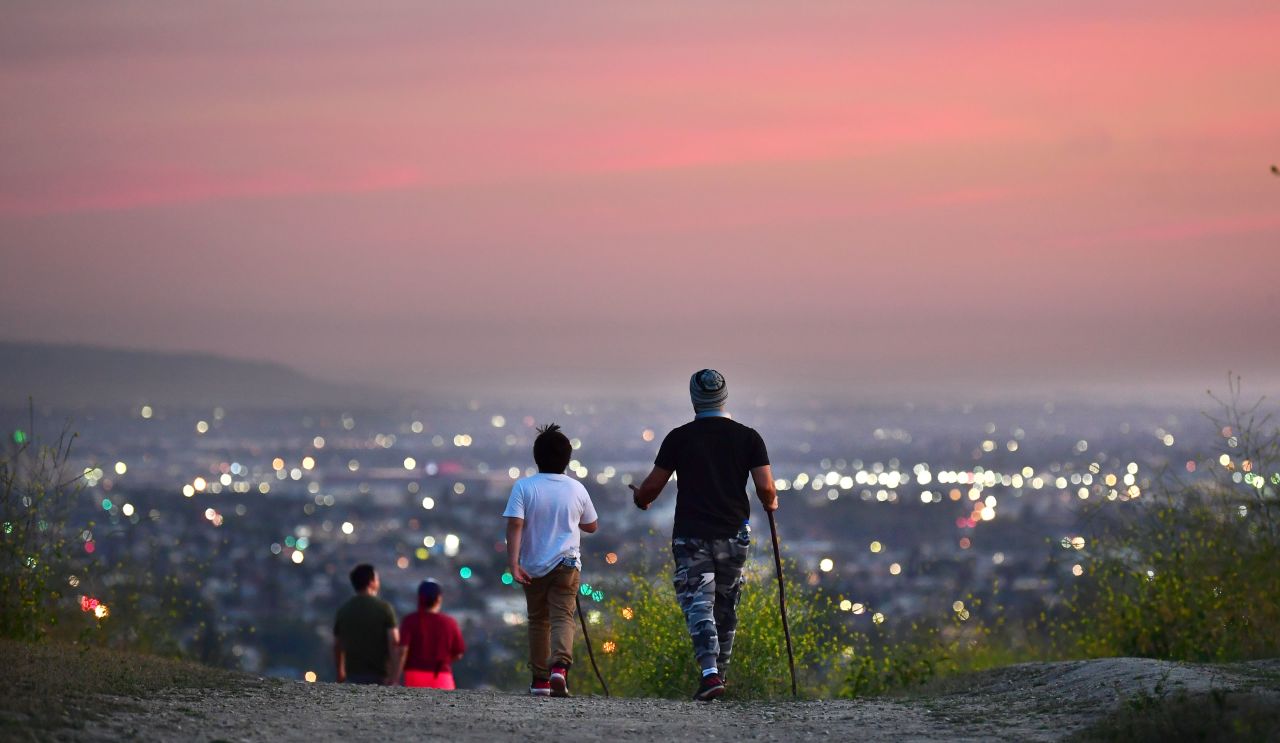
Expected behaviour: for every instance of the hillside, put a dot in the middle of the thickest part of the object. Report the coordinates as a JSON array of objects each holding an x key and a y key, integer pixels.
[
  {"x": 73, "y": 375},
  {"x": 59, "y": 692}
]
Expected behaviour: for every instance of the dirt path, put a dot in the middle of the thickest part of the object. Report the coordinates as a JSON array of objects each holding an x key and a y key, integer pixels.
[{"x": 1030, "y": 702}]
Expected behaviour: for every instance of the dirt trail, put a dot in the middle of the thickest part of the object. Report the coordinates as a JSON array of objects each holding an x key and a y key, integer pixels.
[{"x": 1029, "y": 702}]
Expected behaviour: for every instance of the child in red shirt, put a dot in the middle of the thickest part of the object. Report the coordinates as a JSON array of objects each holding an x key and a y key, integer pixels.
[{"x": 431, "y": 641}]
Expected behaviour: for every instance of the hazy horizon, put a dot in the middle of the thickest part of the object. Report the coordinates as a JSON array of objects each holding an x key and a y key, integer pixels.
[{"x": 880, "y": 201}]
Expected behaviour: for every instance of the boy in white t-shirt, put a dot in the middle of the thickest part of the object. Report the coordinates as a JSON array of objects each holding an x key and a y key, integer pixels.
[{"x": 546, "y": 514}]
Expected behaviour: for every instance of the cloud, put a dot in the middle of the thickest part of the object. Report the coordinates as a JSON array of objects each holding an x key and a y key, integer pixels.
[{"x": 98, "y": 192}]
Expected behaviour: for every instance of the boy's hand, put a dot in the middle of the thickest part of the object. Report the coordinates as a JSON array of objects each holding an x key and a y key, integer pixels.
[
  {"x": 520, "y": 575},
  {"x": 635, "y": 498}
]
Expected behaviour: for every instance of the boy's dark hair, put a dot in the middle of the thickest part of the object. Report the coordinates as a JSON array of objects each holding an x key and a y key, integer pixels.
[
  {"x": 361, "y": 577},
  {"x": 552, "y": 450}
]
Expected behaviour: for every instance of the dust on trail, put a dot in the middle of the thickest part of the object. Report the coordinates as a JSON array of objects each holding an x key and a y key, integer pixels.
[{"x": 1028, "y": 702}]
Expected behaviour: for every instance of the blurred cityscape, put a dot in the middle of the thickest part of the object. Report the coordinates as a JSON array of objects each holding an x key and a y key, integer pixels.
[{"x": 898, "y": 511}]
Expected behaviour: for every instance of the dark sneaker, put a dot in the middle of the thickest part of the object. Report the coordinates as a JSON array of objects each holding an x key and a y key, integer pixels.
[
  {"x": 710, "y": 688},
  {"x": 559, "y": 681},
  {"x": 540, "y": 688}
]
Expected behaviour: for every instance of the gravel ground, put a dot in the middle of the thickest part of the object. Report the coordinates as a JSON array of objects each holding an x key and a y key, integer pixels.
[{"x": 1029, "y": 702}]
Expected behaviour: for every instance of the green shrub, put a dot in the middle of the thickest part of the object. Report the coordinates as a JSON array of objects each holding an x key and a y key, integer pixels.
[
  {"x": 37, "y": 548},
  {"x": 643, "y": 645},
  {"x": 1191, "y": 574}
]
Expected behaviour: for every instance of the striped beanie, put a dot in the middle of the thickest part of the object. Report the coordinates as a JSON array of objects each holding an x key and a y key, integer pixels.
[{"x": 708, "y": 390}]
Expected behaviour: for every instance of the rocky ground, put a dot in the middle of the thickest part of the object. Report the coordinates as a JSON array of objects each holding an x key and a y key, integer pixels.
[{"x": 1029, "y": 702}]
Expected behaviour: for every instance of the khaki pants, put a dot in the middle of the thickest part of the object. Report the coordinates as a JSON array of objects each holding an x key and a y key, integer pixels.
[{"x": 551, "y": 602}]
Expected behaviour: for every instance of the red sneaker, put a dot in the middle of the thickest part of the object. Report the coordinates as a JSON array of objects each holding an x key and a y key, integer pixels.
[
  {"x": 710, "y": 688},
  {"x": 540, "y": 688},
  {"x": 559, "y": 681}
]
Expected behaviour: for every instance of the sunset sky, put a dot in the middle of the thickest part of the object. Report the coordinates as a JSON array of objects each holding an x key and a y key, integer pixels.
[{"x": 848, "y": 197}]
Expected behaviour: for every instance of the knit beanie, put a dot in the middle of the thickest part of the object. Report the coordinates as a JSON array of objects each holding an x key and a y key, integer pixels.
[{"x": 708, "y": 390}]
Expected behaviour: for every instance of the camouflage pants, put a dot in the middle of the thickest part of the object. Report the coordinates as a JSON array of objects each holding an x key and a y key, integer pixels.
[{"x": 708, "y": 583}]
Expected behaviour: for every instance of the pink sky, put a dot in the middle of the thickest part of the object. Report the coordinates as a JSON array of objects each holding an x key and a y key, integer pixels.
[{"x": 553, "y": 196}]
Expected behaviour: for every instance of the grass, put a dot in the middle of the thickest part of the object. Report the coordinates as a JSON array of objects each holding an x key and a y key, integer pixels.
[{"x": 51, "y": 686}]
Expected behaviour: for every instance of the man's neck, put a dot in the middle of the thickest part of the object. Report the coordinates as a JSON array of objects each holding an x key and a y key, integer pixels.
[
  {"x": 367, "y": 592},
  {"x": 715, "y": 413}
]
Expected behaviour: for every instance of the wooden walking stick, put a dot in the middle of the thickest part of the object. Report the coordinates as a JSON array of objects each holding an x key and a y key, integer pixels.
[
  {"x": 587, "y": 639},
  {"x": 782, "y": 600}
]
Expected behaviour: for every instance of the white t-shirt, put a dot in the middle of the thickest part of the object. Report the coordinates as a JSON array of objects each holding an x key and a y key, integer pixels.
[{"x": 552, "y": 506}]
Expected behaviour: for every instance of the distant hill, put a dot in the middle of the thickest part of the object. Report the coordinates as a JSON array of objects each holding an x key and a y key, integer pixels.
[{"x": 79, "y": 376}]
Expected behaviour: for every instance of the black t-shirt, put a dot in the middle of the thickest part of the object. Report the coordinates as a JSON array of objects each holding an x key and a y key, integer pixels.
[
  {"x": 362, "y": 626},
  {"x": 712, "y": 458}
]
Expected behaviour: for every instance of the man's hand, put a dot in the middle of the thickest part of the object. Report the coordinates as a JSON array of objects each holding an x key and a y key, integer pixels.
[
  {"x": 772, "y": 505},
  {"x": 520, "y": 575},
  {"x": 635, "y": 498},
  {"x": 650, "y": 489}
]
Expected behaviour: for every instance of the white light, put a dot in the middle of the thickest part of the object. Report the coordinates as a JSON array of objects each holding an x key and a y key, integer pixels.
[
  {"x": 348, "y": 527},
  {"x": 410, "y": 463},
  {"x": 121, "y": 468},
  {"x": 826, "y": 565},
  {"x": 147, "y": 412},
  {"x": 451, "y": 544},
  {"x": 297, "y": 557},
  {"x": 127, "y": 509},
  {"x": 428, "y": 503}
]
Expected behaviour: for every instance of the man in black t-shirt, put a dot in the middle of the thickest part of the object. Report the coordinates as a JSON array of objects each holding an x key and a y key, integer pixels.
[
  {"x": 366, "y": 640},
  {"x": 712, "y": 456}
]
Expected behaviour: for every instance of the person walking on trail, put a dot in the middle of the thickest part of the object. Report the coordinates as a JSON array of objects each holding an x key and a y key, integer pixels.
[
  {"x": 365, "y": 636},
  {"x": 431, "y": 641},
  {"x": 546, "y": 515},
  {"x": 712, "y": 456}
]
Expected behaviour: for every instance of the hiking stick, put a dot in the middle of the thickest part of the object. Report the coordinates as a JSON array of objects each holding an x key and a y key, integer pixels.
[
  {"x": 782, "y": 600},
  {"x": 587, "y": 639}
]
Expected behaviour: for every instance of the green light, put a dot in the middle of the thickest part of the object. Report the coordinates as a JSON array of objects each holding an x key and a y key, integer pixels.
[
  {"x": 597, "y": 595},
  {"x": 8, "y": 527},
  {"x": 290, "y": 542},
  {"x": 508, "y": 579},
  {"x": 464, "y": 572},
  {"x": 20, "y": 437},
  {"x": 585, "y": 589},
  {"x": 106, "y": 504}
]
